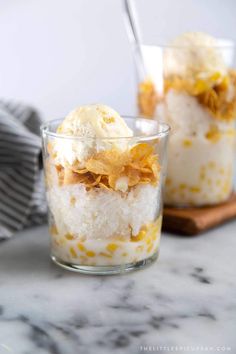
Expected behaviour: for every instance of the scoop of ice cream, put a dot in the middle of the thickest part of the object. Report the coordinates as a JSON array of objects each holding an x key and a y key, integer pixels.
[
  {"x": 94, "y": 124},
  {"x": 194, "y": 55},
  {"x": 96, "y": 121}
]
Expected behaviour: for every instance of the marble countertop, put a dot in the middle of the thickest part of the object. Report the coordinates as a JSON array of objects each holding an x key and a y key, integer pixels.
[{"x": 187, "y": 298}]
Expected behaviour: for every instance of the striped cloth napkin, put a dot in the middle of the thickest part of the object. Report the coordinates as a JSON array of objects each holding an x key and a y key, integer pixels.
[{"x": 22, "y": 195}]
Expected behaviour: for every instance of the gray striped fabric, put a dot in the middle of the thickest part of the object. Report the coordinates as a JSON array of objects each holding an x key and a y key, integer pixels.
[{"x": 22, "y": 195}]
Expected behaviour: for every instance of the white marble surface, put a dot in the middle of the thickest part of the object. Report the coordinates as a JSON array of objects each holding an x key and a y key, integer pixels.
[{"x": 186, "y": 298}]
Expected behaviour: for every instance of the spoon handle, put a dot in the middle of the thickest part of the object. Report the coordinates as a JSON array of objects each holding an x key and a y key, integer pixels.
[{"x": 134, "y": 35}]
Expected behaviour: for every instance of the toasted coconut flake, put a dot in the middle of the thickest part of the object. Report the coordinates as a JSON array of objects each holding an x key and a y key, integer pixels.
[
  {"x": 107, "y": 169},
  {"x": 80, "y": 171},
  {"x": 141, "y": 151},
  {"x": 133, "y": 176},
  {"x": 98, "y": 166},
  {"x": 219, "y": 98},
  {"x": 71, "y": 177},
  {"x": 103, "y": 185},
  {"x": 112, "y": 181}
]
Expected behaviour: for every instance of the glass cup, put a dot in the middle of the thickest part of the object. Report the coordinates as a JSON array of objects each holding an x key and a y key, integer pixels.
[
  {"x": 193, "y": 89},
  {"x": 105, "y": 216}
]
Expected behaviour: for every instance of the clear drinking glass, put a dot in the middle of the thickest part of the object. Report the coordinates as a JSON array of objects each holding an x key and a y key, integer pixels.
[
  {"x": 106, "y": 217},
  {"x": 193, "y": 89}
]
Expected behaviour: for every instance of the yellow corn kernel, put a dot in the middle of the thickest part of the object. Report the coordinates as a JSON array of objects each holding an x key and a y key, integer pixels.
[
  {"x": 216, "y": 76},
  {"x": 72, "y": 201},
  {"x": 222, "y": 171},
  {"x": 218, "y": 182},
  {"x": 155, "y": 232},
  {"x": 112, "y": 247},
  {"x": 149, "y": 248},
  {"x": 211, "y": 164},
  {"x": 109, "y": 120},
  {"x": 200, "y": 86},
  {"x": 195, "y": 189},
  {"x": 213, "y": 135},
  {"x": 155, "y": 235},
  {"x": 90, "y": 254},
  {"x": 147, "y": 98},
  {"x": 69, "y": 236},
  {"x": 209, "y": 182},
  {"x": 53, "y": 230},
  {"x": 149, "y": 241},
  {"x": 81, "y": 247},
  {"x": 231, "y": 132},
  {"x": 141, "y": 235},
  {"x": 225, "y": 83},
  {"x": 72, "y": 252},
  {"x": 187, "y": 143},
  {"x": 182, "y": 186},
  {"x": 226, "y": 187}
]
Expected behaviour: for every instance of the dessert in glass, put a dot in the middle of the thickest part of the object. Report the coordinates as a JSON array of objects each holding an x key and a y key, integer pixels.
[
  {"x": 104, "y": 178},
  {"x": 193, "y": 89}
]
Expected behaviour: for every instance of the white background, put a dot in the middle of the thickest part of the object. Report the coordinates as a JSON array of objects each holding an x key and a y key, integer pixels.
[{"x": 57, "y": 54}]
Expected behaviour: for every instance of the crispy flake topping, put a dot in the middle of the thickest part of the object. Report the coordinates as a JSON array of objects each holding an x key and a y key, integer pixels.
[
  {"x": 217, "y": 94},
  {"x": 115, "y": 169}
]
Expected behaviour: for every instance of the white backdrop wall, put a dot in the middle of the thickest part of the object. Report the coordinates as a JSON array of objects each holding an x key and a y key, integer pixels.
[{"x": 57, "y": 54}]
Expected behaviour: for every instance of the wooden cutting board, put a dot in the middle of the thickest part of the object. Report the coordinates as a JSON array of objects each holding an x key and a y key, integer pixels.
[{"x": 192, "y": 221}]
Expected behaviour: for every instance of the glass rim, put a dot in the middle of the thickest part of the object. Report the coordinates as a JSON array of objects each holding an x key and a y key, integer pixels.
[
  {"x": 224, "y": 43},
  {"x": 163, "y": 132}
]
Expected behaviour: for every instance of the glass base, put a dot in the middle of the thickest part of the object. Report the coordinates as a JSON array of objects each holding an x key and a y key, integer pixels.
[{"x": 106, "y": 270}]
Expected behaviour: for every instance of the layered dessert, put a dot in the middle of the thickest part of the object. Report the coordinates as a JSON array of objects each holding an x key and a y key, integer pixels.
[
  {"x": 198, "y": 100},
  {"x": 103, "y": 190}
]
